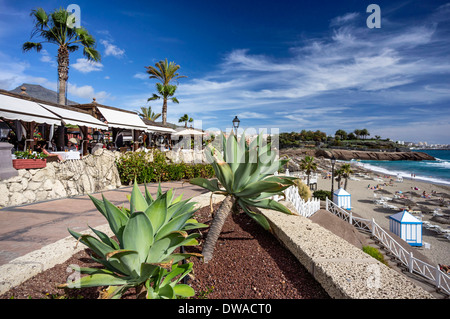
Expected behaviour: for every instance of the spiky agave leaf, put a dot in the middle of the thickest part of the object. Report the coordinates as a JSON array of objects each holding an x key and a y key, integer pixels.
[
  {"x": 245, "y": 171},
  {"x": 147, "y": 234}
]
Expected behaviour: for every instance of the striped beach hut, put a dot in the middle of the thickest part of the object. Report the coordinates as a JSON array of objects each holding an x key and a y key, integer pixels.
[
  {"x": 342, "y": 199},
  {"x": 407, "y": 227}
]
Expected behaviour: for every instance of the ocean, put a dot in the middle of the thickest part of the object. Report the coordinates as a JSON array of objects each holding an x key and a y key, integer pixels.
[{"x": 430, "y": 171}]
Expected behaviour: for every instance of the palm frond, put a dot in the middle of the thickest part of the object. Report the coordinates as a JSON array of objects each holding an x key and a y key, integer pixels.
[
  {"x": 91, "y": 54},
  {"x": 27, "y": 46}
]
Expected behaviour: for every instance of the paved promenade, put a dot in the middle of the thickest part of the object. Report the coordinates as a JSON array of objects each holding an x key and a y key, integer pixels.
[{"x": 27, "y": 228}]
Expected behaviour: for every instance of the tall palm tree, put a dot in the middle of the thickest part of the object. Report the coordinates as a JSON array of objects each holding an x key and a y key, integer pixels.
[
  {"x": 307, "y": 164},
  {"x": 165, "y": 72},
  {"x": 53, "y": 28},
  {"x": 147, "y": 113},
  {"x": 185, "y": 118},
  {"x": 165, "y": 92}
]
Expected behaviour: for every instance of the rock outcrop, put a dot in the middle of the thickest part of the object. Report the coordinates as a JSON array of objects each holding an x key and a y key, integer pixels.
[{"x": 347, "y": 155}]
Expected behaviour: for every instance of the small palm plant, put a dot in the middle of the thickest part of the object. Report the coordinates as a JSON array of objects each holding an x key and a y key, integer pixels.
[
  {"x": 147, "y": 113},
  {"x": 143, "y": 256},
  {"x": 307, "y": 164},
  {"x": 185, "y": 118},
  {"x": 346, "y": 172},
  {"x": 245, "y": 173}
]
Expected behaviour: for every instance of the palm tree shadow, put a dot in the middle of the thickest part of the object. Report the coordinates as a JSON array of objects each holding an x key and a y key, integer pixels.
[{"x": 289, "y": 265}]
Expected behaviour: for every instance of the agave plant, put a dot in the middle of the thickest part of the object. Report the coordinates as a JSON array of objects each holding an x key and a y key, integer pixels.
[
  {"x": 143, "y": 256},
  {"x": 245, "y": 176}
]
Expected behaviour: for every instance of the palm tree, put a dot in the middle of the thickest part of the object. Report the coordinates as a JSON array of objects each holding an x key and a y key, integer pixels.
[
  {"x": 342, "y": 134},
  {"x": 185, "y": 118},
  {"x": 346, "y": 170},
  {"x": 357, "y": 133},
  {"x": 365, "y": 133},
  {"x": 166, "y": 73},
  {"x": 339, "y": 175},
  {"x": 53, "y": 28},
  {"x": 166, "y": 92},
  {"x": 147, "y": 113},
  {"x": 307, "y": 164}
]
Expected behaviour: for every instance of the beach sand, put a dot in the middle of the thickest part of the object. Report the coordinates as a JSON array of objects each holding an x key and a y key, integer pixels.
[{"x": 362, "y": 201}]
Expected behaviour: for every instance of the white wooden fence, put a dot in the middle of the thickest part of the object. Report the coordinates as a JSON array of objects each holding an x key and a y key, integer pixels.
[
  {"x": 431, "y": 273},
  {"x": 304, "y": 208}
]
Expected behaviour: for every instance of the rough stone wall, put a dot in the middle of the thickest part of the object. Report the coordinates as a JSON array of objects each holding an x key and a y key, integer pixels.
[
  {"x": 186, "y": 156},
  {"x": 93, "y": 173}
]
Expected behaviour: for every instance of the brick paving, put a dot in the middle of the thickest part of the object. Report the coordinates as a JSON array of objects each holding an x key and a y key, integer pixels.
[{"x": 26, "y": 228}]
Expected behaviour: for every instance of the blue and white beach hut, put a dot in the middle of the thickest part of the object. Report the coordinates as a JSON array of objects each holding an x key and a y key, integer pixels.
[
  {"x": 407, "y": 227},
  {"x": 342, "y": 199}
]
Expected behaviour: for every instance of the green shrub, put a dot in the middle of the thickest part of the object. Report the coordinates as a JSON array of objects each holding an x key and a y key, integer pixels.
[
  {"x": 153, "y": 167},
  {"x": 322, "y": 194},
  {"x": 375, "y": 253},
  {"x": 303, "y": 190},
  {"x": 29, "y": 155}
]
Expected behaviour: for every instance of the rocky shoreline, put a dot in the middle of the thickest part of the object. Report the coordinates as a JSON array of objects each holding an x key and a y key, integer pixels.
[{"x": 347, "y": 155}]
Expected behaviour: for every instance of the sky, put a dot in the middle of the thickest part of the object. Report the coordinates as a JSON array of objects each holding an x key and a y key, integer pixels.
[{"x": 283, "y": 66}]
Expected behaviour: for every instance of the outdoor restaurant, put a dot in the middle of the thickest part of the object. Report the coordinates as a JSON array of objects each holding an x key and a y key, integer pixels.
[{"x": 73, "y": 131}]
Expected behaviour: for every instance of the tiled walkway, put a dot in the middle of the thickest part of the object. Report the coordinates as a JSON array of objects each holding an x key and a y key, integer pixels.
[{"x": 26, "y": 228}]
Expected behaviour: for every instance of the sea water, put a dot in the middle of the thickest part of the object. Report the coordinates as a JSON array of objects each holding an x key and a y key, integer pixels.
[{"x": 437, "y": 171}]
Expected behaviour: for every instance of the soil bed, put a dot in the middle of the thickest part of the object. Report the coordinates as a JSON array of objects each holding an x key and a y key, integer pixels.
[{"x": 248, "y": 263}]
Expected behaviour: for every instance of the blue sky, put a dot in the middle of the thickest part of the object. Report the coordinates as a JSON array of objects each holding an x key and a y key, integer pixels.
[{"x": 286, "y": 65}]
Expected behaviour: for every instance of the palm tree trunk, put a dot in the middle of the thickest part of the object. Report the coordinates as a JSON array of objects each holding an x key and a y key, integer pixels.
[
  {"x": 164, "y": 111},
  {"x": 63, "y": 76},
  {"x": 63, "y": 73},
  {"x": 216, "y": 227}
]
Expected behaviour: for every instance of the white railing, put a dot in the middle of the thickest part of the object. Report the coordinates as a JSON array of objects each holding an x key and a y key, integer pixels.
[
  {"x": 304, "y": 208},
  {"x": 432, "y": 273}
]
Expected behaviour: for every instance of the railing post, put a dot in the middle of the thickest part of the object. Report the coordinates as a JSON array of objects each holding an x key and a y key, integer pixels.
[
  {"x": 373, "y": 226},
  {"x": 438, "y": 277},
  {"x": 350, "y": 220},
  {"x": 326, "y": 204},
  {"x": 410, "y": 261}
]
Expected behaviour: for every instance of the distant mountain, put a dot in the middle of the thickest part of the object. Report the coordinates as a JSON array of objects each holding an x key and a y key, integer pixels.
[{"x": 40, "y": 92}]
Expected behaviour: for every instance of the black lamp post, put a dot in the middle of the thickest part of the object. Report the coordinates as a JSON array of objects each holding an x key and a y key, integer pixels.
[
  {"x": 236, "y": 123},
  {"x": 333, "y": 161}
]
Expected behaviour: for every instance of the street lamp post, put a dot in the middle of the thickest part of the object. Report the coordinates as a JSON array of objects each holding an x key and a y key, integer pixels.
[
  {"x": 236, "y": 124},
  {"x": 333, "y": 161}
]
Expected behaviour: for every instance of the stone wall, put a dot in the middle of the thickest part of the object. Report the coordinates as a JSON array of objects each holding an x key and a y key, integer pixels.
[
  {"x": 95, "y": 172},
  {"x": 343, "y": 270}
]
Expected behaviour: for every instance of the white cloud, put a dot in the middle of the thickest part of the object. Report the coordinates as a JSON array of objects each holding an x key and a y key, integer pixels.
[
  {"x": 141, "y": 76},
  {"x": 13, "y": 73},
  {"x": 112, "y": 49},
  {"x": 87, "y": 92},
  {"x": 252, "y": 115},
  {"x": 85, "y": 66},
  {"x": 344, "y": 18},
  {"x": 350, "y": 75},
  {"x": 46, "y": 58}
]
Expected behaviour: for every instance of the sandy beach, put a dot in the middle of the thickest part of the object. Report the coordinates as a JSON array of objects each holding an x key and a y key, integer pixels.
[{"x": 362, "y": 185}]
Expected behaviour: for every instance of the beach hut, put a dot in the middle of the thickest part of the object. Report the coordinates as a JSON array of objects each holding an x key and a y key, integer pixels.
[
  {"x": 407, "y": 227},
  {"x": 342, "y": 198}
]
